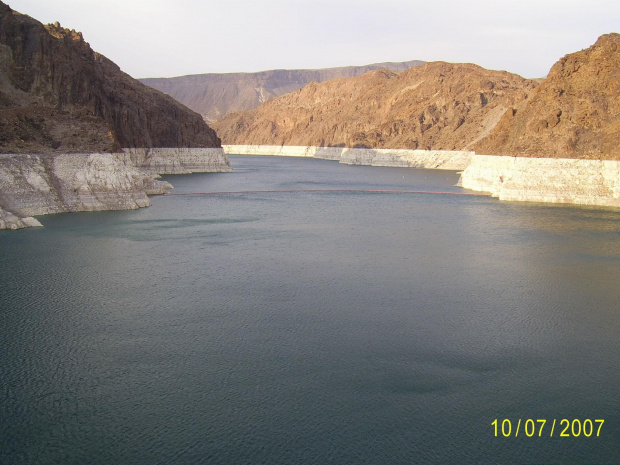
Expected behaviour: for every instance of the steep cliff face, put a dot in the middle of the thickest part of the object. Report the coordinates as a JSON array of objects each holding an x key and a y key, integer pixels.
[
  {"x": 435, "y": 106},
  {"x": 215, "y": 95},
  {"x": 59, "y": 96},
  {"x": 574, "y": 113}
]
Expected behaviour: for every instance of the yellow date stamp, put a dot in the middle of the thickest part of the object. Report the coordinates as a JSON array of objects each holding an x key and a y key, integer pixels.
[{"x": 563, "y": 428}]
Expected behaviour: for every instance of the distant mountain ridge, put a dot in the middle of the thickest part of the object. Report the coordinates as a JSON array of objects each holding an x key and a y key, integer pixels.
[{"x": 214, "y": 95}]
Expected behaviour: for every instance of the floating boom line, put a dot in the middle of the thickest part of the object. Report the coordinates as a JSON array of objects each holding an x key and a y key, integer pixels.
[{"x": 371, "y": 191}]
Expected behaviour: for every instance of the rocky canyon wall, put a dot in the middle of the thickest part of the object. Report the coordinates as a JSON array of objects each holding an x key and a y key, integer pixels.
[
  {"x": 66, "y": 112},
  {"x": 573, "y": 113},
  {"x": 437, "y": 106},
  {"x": 60, "y": 96},
  {"x": 217, "y": 94}
]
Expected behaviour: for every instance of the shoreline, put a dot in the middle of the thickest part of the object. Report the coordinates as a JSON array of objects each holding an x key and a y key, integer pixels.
[
  {"x": 508, "y": 178},
  {"x": 400, "y": 158},
  {"x": 549, "y": 180},
  {"x": 36, "y": 184}
]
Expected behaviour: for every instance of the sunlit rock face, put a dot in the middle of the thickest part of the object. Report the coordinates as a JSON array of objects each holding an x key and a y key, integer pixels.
[
  {"x": 574, "y": 113},
  {"x": 555, "y": 180},
  {"x": 214, "y": 95},
  {"x": 437, "y": 106}
]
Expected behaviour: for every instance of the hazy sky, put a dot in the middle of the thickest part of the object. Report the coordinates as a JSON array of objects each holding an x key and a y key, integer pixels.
[{"x": 162, "y": 38}]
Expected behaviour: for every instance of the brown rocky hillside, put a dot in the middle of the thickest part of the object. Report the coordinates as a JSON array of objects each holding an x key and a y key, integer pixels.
[
  {"x": 215, "y": 95},
  {"x": 435, "y": 106},
  {"x": 574, "y": 113},
  {"x": 59, "y": 96}
]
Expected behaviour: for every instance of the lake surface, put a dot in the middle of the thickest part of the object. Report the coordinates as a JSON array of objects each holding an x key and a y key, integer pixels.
[{"x": 317, "y": 324}]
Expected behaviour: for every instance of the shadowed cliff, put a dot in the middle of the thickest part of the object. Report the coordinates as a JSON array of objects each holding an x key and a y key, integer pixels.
[
  {"x": 62, "y": 106},
  {"x": 59, "y": 96}
]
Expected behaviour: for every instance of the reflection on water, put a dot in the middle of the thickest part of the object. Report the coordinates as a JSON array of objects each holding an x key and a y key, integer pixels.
[{"x": 309, "y": 327}]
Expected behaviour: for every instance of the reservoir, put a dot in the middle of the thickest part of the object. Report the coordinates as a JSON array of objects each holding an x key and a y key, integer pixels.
[{"x": 300, "y": 311}]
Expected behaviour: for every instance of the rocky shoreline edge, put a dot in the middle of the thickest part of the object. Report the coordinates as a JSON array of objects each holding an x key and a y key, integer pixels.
[
  {"x": 551, "y": 180},
  {"x": 402, "y": 158},
  {"x": 35, "y": 184}
]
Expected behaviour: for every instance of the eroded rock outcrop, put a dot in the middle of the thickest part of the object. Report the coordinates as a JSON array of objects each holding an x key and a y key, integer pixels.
[
  {"x": 32, "y": 185},
  {"x": 574, "y": 113},
  {"x": 554, "y": 180},
  {"x": 181, "y": 160},
  {"x": 9, "y": 220},
  {"x": 562, "y": 145},
  {"x": 438, "y": 106}
]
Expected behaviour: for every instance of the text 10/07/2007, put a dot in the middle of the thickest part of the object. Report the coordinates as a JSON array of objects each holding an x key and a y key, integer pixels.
[{"x": 536, "y": 428}]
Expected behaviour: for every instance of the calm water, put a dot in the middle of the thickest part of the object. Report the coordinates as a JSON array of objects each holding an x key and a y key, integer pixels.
[{"x": 310, "y": 327}]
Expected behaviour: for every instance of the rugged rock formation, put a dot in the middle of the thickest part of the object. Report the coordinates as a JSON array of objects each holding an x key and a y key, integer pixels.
[
  {"x": 216, "y": 95},
  {"x": 564, "y": 140},
  {"x": 9, "y": 220},
  {"x": 574, "y": 113},
  {"x": 64, "y": 108},
  {"x": 435, "y": 106},
  {"x": 59, "y": 96}
]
